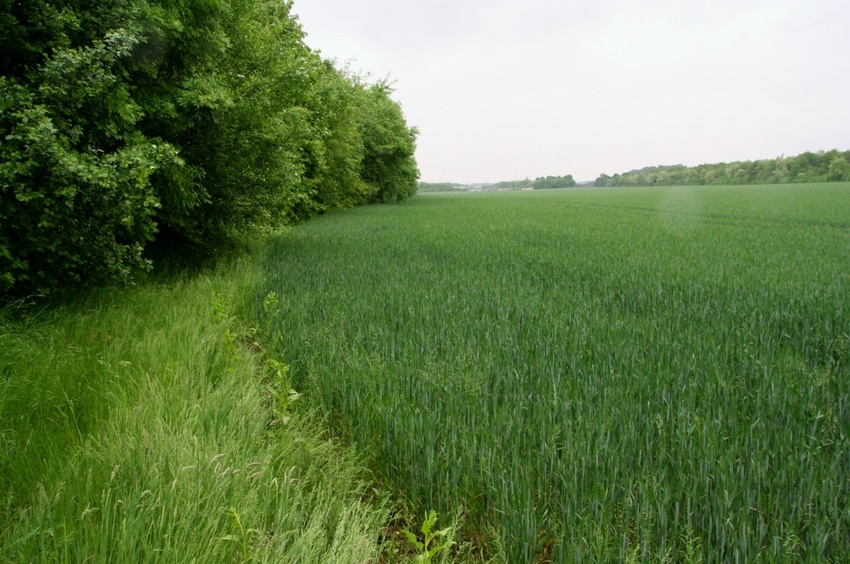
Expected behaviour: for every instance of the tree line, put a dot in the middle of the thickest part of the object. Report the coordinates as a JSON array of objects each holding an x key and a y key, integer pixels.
[
  {"x": 441, "y": 187},
  {"x": 129, "y": 122},
  {"x": 539, "y": 183},
  {"x": 823, "y": 166}
]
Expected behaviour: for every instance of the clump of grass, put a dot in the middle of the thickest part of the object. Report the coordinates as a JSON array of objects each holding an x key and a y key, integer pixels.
[{"x": 147, "y": 425}]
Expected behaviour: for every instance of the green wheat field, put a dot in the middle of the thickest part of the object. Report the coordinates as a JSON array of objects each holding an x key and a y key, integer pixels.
[{"x": 588, "y": 375}]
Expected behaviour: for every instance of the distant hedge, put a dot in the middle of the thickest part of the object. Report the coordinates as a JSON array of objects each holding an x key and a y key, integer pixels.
[{"x": 121, "y": 121}]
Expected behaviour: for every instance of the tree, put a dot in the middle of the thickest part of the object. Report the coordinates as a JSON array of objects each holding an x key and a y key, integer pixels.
[
  {"x": 807, "y": 167},
  {"x": 333, "y": 158},
  {"x": 76, "y": 201},
  {"x": 839, "y": 169},
  {"x": 554, "y": 182},
  {"x": 389, "y": 144}
]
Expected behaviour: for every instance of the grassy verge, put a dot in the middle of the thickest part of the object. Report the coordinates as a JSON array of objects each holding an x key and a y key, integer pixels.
[{"x": 147, "y": 425}]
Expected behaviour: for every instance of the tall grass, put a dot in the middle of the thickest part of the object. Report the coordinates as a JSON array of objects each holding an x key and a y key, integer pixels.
[
  {"x": 649, "y": 374},
  {"x": 144, "y": 425}
]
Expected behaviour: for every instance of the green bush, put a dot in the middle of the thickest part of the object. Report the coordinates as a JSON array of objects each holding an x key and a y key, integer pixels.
[
  {"x": 77, "y": 201},
  {"x": 388, "y": 163}
]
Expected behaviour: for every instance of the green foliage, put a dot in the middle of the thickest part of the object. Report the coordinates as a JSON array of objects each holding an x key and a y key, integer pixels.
[
  {"x": 440, "y": 187},
  {"x": 126, "y": 122},
  {"x": 554, "y": 182},
  {"x": 389, "y": 144},
  {"x": 839, "y": 169},
  {"x": 590, "y": 375},
  {"x": 538, "y": 183},
  {"x": 807, "y": 167},
  {"x": 332, "y": 161},
  {"x": 33, "y": 30},
  {"x": 512, "y": 185},
  {"x": 76, "y": 200},
  {"x": 426, "y": 550},
  {"x": 226, "y": 86}
]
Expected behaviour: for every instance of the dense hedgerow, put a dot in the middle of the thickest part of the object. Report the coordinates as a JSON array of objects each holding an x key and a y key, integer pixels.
[{"x": 122, "y": 122}]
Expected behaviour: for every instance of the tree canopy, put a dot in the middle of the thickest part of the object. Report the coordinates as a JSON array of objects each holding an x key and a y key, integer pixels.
[{"x": 125, "y": 121}]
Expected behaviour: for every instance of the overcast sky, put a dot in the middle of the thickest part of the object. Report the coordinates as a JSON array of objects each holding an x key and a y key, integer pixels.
[{"x": 508, "y": 89}]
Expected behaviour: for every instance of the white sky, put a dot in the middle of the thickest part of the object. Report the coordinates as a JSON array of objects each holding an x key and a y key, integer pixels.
[{"x": 508, "y": 89}]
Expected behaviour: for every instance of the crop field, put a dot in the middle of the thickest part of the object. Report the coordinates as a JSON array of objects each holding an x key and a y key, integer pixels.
[{"x": 589, "y": 374}]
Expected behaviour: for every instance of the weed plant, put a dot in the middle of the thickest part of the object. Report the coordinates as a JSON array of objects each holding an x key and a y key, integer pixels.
[{"x": 590, "y": 375}]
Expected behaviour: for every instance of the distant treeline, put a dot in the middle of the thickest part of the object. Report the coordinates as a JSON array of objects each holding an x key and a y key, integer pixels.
[
  {"x": 829, "y": 166},
  {"x": 538, "y": 183},
  {"x": 441, "y": 187}
]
